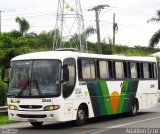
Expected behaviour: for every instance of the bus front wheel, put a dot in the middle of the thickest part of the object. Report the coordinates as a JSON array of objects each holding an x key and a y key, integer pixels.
[
  {"x": 81, "y": 116},
  {"x": 36, "y": 124}
]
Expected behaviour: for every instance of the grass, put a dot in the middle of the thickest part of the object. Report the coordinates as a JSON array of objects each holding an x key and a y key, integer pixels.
[{"x": 4, "y": 119}]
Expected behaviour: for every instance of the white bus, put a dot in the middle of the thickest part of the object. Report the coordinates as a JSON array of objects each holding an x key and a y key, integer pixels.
[{"x": 58, "y": 86}]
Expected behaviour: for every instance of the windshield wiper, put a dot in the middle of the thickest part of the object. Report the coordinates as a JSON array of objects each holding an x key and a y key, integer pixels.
[{"x": 12, "y": 95}]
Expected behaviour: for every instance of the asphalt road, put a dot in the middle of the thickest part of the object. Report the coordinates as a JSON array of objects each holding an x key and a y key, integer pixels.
[{"x": 146, "y": 122}]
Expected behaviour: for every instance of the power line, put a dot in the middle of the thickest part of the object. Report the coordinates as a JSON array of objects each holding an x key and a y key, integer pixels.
[
  {"x": 118, "y": 10},
  {"x": 130, "y": 10},
  {"x": 45, "y": 15},
  {"x": 127, "y": 13},
  {"x": 30, "y": 26},
  {"x": 29, "y": 13}
]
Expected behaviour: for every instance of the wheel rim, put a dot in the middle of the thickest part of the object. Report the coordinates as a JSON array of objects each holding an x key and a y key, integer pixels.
[
  {"x": 81, "y": 115},
  {"x": 134, "y": 108}
]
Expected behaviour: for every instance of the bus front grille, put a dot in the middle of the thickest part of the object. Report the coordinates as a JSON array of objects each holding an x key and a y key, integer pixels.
[
  {"x": 31, "y": 116},
  {"x": 30, "y": 106}
]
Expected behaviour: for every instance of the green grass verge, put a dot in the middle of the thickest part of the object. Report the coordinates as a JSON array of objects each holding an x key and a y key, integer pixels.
[{"x": 4, "y": 119}]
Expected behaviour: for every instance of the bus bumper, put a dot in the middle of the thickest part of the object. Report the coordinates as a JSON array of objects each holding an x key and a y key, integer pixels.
[{"x": 35, "y": 116}]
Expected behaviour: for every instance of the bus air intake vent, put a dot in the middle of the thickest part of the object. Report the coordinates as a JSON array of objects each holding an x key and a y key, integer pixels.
[
  {"x": 31, "y": 116},
  {"x": 30, "y": 106}
]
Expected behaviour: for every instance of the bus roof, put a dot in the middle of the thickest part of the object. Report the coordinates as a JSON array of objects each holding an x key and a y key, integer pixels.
[{"x": 71, "y": 54}]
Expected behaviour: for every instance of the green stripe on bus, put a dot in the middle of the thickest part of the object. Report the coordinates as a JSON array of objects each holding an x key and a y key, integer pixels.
[
  {"x": 101, "y": 102},
  {"x": 128, "y": 97},
  {"x": 122, "y": 100},
  {"x": 94, "y": 101},
  {"x": 106, "y": 96},
  {"x": 130, "y": 94}
]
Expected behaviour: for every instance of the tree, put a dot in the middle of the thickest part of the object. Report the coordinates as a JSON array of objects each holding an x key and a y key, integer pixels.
[
  {"x": 15, "y": 34},
  {"x": 89, "y": 31},
  {"x": 156, "y": 36},
  {"x": 75, "y": 39},
  {"x": 23, "y": 25}
]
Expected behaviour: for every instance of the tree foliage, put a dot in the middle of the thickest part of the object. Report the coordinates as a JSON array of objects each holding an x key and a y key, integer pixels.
[
  {"x": 75, "y": 39},
  {"x": 154, "y": 39},
  {"x": 156, "y": 36},
  {"x": 23, "y": 25}
]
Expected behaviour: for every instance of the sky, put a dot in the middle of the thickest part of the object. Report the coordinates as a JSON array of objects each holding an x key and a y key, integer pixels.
[{"x": 131, "y": 17}]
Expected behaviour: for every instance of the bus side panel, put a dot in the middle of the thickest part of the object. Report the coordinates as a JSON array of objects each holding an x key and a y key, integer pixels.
[
  {"x": 111, "y": 97},
  {"x": 79, "y": 96},
  {"x": 147, "y": 93}
]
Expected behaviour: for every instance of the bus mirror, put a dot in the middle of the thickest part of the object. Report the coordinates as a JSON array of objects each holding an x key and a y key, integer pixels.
[
  {"x": 65, "y": 74},
  {"x": 5, "y": 72}
]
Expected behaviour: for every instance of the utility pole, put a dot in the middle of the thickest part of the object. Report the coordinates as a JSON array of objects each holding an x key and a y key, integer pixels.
[
  {"x": 0, "y": 22},
  {"x": 97, "y": 10},
  {"x": 115, "y": 29}
]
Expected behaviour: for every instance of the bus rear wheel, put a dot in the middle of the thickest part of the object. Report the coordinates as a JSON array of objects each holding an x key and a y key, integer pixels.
[
  {"x": 81, "y": 116},
  {"x": 36, "y": 124},
  {"x": 134, "y": 108}
]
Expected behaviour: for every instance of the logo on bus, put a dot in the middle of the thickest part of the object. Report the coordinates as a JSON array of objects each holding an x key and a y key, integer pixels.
[{"x": 152, "y": 86}]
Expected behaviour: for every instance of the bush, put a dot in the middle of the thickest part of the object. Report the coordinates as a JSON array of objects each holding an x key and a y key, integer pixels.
[{"x": 3, "y": 92}]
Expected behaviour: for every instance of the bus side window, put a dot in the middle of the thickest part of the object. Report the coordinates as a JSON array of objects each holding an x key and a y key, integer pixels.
[
  {"x": 154, "y": 70},
  {"x": 150, "y": 71},
  {"x": 119, "y": 70},
  {"x": 141, "y": 69},
  {"x": 105, "y": 69},
  {"x": 86, "y": 69},
  {"x": 110, "y": 72},
  {"x": 129, "y": 70},
  {"x": 146, "y": 70},
  {"x": 133, "y": 69},
  {"x": 68, "y": 86},
  {"x": 125, "y": 70},
  {"x": 138, "y": 70}
]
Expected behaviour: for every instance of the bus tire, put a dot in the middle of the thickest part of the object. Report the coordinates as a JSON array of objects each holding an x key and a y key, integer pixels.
[
  {"x": 36, "y": 124},
  {"x": 81, "y": 116},
  {"x": 134, "y": 108}
]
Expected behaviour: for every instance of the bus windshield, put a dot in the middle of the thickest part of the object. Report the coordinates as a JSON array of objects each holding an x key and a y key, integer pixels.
[{"x": 37, "y": 78}]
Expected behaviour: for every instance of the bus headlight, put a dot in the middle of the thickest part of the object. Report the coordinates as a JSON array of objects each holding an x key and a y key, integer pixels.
[
  {"x": 12, "y": 107},
  {"x": 51, "y": 107}
]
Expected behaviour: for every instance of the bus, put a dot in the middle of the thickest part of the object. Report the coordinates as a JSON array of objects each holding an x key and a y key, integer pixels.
[{"x": 60, "y": 86}]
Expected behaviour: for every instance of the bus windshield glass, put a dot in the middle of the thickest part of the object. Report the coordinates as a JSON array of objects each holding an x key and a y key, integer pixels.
[{"x": 37, "y": 78}]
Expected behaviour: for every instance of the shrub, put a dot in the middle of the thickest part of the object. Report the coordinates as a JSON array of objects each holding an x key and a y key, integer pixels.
[{"x": 3, "y": 92}]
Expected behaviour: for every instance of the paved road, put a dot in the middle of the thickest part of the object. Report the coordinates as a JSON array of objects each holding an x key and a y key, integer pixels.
[{"x": 146, "y": 122}]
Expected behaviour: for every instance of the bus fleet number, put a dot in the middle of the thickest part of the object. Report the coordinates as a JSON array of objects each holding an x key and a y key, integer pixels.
[{"x": 46, "y": 100}]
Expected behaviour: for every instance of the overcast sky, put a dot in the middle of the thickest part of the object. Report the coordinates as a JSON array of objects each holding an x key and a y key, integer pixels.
[{"x": 131, "y": 17}]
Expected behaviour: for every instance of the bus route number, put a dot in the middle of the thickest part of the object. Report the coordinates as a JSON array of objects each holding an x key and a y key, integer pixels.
[{"x": 46, "y": 100}]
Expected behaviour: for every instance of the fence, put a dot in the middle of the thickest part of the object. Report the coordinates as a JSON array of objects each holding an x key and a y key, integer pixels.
[{"x": 3, "y": 109}]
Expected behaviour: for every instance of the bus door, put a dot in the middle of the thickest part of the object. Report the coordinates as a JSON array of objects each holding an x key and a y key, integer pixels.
[{"x": 68, "y": 85}]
